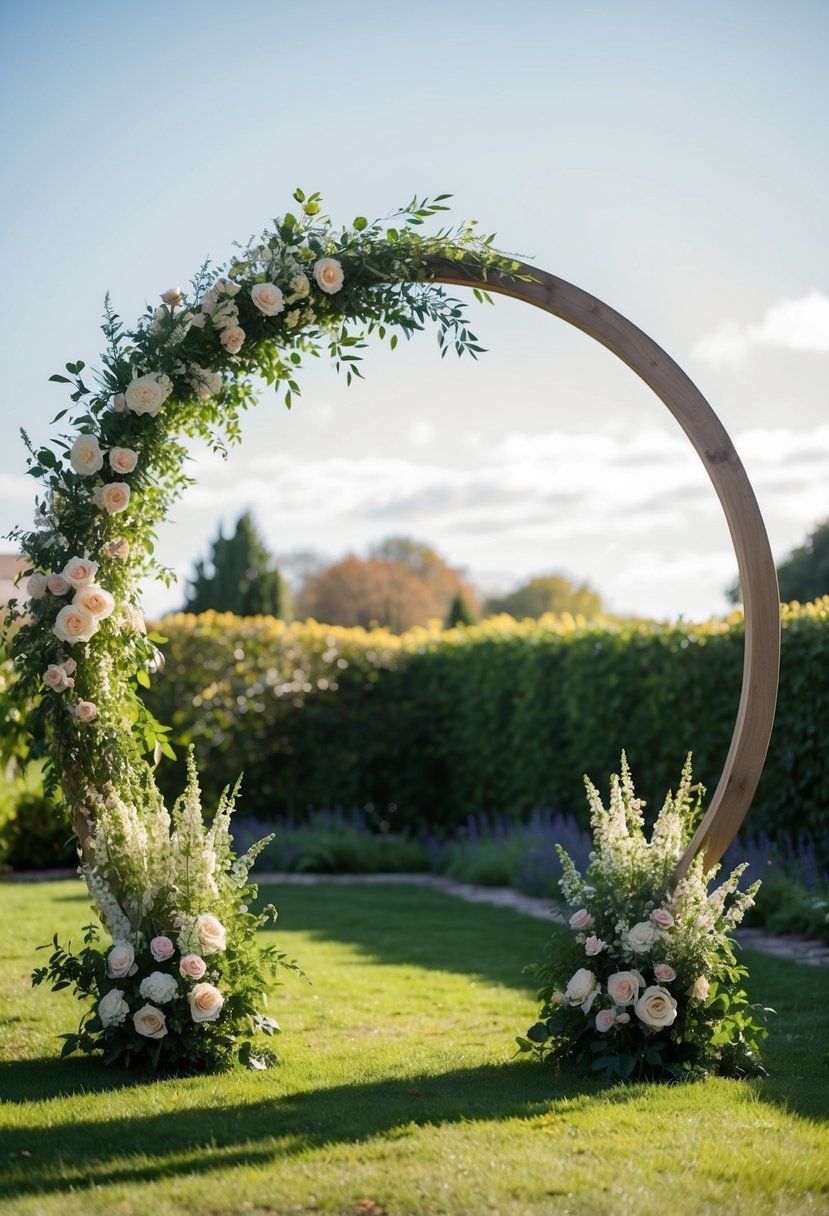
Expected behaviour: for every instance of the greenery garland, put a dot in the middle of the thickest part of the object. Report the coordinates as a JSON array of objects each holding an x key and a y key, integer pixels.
[{"x": 169, "y": 889}]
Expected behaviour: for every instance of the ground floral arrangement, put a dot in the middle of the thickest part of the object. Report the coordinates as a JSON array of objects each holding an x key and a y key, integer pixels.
[
  {"x": 649, "y": 986},
  {"x": 182, "y": 983}
]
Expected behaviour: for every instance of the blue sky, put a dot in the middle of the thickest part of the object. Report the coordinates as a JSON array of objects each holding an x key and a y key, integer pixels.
[{"x": 667, "y": 157}]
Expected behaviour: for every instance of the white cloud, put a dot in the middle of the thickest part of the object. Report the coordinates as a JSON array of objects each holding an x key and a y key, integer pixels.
[
  {"x": 421, "y": 432},
  {"x": 799, "y": 325}
]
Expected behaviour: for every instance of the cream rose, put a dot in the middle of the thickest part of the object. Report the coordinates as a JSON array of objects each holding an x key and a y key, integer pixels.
[
  {"x": 581, "y": 920},
  {"x": 604, "y": 1020},
  {"x": 86, "y": 711},
  {"x": 580, "y": 987},
  {"x": 656, "y": 1008},
  {"x": 192, "y": 966},
  {"x": 211, "y": 933},
  {"x": 161, "y": 948},
  {"x": 55, "y": 677},
  {"x": 664, "y": 973},
  {"x": 36, "y": 586},
  {"x": 122, "y": 460},
  {"x": 79, "y": 571},
  {"x": 623, "y": 987},
  {"x": 69, "y": 666},
  {"x": 640, "y": 937},
  {"x": 74, "y": 623},
  {"x": 232, "y": 339},
  {"x": 113, "y": 1009},
  {"x": 268, "y": 299},
  {"x": 86, "y": 456},
  {"x": 96, "y": 600},
  {"x": 172, "y": 296},
  {"x": 121, "y": 961},
  {"x": 700, "y": 988},
  {"x": 146, "y": 394},
  {"x": 328, "y": 274},
  {"x": 114, "y": 497},
  {"x": 662, "y": 917},
  {"x": 57, "y": 584},
  {"x": 205, "y": 1002},
  {"x": 119, "y": 548},
  {"x": 150, "y": 1022}
]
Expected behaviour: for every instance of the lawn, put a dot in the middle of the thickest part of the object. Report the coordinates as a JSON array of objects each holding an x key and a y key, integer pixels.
[{"x": 397, "y": 1092}]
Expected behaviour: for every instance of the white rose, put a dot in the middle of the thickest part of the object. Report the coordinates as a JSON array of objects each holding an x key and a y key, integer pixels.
[
  {"x": 226, "y": 287},
  {"x": 79, "y": 571},
  {"x": 96, "y": 600},
  {"x": 268, "y": 299},
  {"x": 86, "y": 456},
  {"x": 113, "y": 1009},
  {"x": 640, "y": 937},
  {"x": 232, "y": 339},
  {"x": 701, "y": 988},
  {"x": 159, "y": 987},
  {"x": 150, "y": 1022},
  {"x": 329, "y": 275},
  {"x": 114, "y": 497},
  {"x": 172, "y": 296},
  {"x": 225, "y": 315},
  {"x": 57, "y": 584},
  {"x": 56, "y": 678},
  {"x": 36, "y": 586},
  {"x": 656, "y": 1008},
  {"x": 86, "y": 711},
  {"x": 146, "y": 394},
  {"x": 121, "y": 961},
  {"x": 206, "y": 383},
  {"x": 74, "y": 623},
  {"x": 122, "y": 460},
  {"x": 623, "y": 987},
  {"x": 211, "y": 933},
  {"x": 205, "y": 1002},
  {"x": 209, "y": 300},
  {"x": 199, "y": 320},
  {"x": 594, "y": 945},
  {"x": 580, "y": 986}
]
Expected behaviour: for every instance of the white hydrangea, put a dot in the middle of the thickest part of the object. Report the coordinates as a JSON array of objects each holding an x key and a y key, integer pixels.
[{"x": 159, "y": 987}]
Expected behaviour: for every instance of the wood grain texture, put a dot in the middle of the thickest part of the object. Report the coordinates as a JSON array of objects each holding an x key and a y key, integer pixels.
[{"x": 758, "y": 698}]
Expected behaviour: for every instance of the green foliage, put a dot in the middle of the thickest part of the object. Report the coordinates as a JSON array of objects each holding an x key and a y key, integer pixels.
[
  {"x": 498, "y": 717},
  {"x": 553, "y": 593},
  {"x": 239, "y": 577},
  {"x": 804, "y": 575},
  {"x": 459, "y": 613},
  {"x": 34, "y": 833}
]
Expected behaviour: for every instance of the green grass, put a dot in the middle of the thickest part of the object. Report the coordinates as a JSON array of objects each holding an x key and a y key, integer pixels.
[{"x": 397, "y": 1086}]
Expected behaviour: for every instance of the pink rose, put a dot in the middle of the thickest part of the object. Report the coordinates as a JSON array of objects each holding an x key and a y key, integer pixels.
[
  {"x": 604, "y": 1020},
  {"x": 662, "y": 917},
  {"x": 122, "y": 460},
  {"x": 581, "y": 920},
  {"x": 161, "y": 948},
  {"x": 69, "y": 666},
  {"x": 192, "y": 966},
  {"x": 119, "y": 548},
  {"x": 664, "y": 973},
  {"x": 205, "y": 1003},
  {"x": 113, "y": 497},
  {"x": 55, "y": 677},
  {"x": 86, "y": 711},
  {"x": 232, "y": 339},
  {"x": 79, "y": 571},
  {"x": 96, "y": 600},
  {"x": 593, "y": 945},
  {"x": 328, "y": 273},
  {"x": 74, "y": 623},
  {"x": 57, "y": 584},
  {"x": 623, "y": 987}
]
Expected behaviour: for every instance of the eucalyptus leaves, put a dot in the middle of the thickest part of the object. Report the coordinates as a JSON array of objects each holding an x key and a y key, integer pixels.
[{"x": 81, "y": 647}]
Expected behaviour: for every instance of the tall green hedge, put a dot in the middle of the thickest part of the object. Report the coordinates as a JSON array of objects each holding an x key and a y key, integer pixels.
[{"x": 499, "y": 717}]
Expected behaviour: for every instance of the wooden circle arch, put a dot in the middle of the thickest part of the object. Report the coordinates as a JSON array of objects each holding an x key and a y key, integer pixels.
[{"x": 758, "y": 577}]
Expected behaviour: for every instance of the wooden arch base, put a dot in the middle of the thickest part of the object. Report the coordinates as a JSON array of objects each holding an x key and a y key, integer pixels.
[{"x": 758, "y": 577}]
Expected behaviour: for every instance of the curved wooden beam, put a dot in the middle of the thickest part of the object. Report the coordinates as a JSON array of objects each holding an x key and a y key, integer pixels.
[{"x": 758, "y": 577}]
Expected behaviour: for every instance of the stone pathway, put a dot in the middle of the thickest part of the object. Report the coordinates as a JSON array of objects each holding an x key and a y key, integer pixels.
[{"x": 797, "y": 949}]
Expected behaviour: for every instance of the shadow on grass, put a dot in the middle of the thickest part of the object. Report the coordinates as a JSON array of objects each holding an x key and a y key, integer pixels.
[
  {"x": 39, "y": 1080},
  {"x": 147, "y": 1148},
  {"x": 399, "y": 925}
]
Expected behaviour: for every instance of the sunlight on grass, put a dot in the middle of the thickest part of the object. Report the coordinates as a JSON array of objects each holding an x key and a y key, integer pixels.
[{"x": 397, "y": 1084}]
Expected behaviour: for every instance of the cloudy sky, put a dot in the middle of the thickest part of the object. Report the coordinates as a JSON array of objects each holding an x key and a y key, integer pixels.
[{"x": 667, "y": 157}]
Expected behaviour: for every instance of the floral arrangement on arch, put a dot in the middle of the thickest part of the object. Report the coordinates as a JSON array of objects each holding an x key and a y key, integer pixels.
[
  {"x": 648, "y": 985},
  {"x": 182, "y": 982}
]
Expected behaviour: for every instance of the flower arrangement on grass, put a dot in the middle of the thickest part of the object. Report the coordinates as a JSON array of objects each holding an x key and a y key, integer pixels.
[
  {"x": 648, "y": 985},
  {"x": 81, "y": 648}
]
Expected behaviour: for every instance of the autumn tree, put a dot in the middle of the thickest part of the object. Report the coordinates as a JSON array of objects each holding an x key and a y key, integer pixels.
[
  {"x": 239, "y": 576},
  {"x": 552, "y": 593},
  {"x": 367, "y": 593}
]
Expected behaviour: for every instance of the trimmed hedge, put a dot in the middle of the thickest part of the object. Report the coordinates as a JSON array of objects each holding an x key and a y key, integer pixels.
[{"x": 430, "y": 726}]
